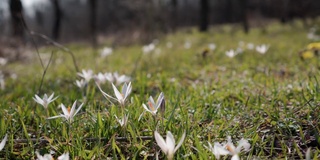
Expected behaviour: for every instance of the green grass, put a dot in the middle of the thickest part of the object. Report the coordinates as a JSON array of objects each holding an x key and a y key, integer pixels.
[{"x": 272, "y": 100}]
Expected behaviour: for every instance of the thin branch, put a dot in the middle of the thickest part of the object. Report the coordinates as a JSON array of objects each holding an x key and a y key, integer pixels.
[
  {"x": 24, "y": 25},
  {"x": 119, "y": 139},
  {"x": 45, "y": 71},
  {"x": 60, "y": 46}
]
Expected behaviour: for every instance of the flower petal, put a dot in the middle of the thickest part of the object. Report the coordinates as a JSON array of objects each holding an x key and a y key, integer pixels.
[
  {"x": 78, "y": 110},
  {"x": 180, "y": 142},
  {"x": 161, "y": 143},
  {"x": 3, "y": 142},
  {"x": 146, "y": 108},
  {"x": 65, "y": 110},
  {"x": 64, "y": 156},
  {"x": 170, "y": 142},
  {"x": 117, "y": 93},
  {"x": 59, "y": 116}
]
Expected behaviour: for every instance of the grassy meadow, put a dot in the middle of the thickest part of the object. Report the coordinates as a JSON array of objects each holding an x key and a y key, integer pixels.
[{"x": 271, "y": 99}]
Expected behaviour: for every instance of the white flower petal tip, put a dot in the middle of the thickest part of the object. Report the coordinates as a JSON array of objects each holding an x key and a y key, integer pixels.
[
  {"x": 87, "y": 75},
  {"x": 229, "y": 148},
  {"x": 123, "y": 121},
  {"x": 153, "y": 106},
  {"x": 168, "y": 146},
  {"x": 120, "y": 97},
  {"x": 3, "y": 142},
  {"x": 68, "y": 113},
  {"x": 45, "y": 101},
  {"x": 64, "y": 156}
]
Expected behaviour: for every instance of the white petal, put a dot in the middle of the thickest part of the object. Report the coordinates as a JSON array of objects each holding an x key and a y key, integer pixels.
[
  {"x": 73, "y": 108},
  {"x": 243, "y": 143},
  {"x": 117, "y": 93},
  {"x": 38, "y": 99},
  {"x": 160, "y": 98},
  {"x": 128, "y": 90},
  {"x": 152, "y": 102},
  {"x": 3, "y": 142},
  {"x": 170, "y": 142},
  {"x": 78, "y": 109},
  {"x": 235, "y": 157},
  {"x": 180, "y": 142},
  {"x": 230, "y": 146},
  {"x": 161, "y": 143},
  {"x": 64, "y": 156},
  {"x": 65, "y": 110},
  {"x": 57, "y": 117},
  {"x": 219, "y": 150},
  {"x": 104, "y": 93},
  {"x": 146, "y": 108}
]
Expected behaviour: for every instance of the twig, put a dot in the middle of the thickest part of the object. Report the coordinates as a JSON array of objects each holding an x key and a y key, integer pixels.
[
  {"x": 60, "y": 46},
  {"x": 33, "y": 41},
  {"x": 44, "y": 72},
  {"x": 119, "y": 139}
]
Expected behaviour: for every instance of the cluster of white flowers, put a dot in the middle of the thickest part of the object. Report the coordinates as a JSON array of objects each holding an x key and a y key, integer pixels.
[
  {"x": 106, "y": 51},
  {"x": 262, "y": 49},
  {"x": 168, "y": 145},
  {"x": 100, "y": 78},
  {"x": 228, "y": 148}
]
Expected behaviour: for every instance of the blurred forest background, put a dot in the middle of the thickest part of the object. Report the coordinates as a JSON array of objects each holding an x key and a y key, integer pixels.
[{"x": 128, "y": 21}]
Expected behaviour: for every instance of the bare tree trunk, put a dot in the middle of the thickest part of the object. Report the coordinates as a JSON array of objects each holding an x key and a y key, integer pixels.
[
  {"x": 174, "y": 14},
  {"x": 244, "y": 18},
  {"x": 204, "y": 12},
  {"x": 93, "y": 26},
  {"x": 16, "y": 18},
  {"x": 57, "y": 19}
]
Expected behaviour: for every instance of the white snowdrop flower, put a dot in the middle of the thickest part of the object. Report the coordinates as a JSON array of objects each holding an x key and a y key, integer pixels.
[
  {"x": 212, "y": 46},
  {"x": 262, "y": 49},
  {"x": 106, "y": 51},
  {"x": 231, "y": 53}
]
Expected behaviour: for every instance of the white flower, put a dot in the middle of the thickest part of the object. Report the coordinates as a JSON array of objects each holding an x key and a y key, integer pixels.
[
  {"x": 239, "y": 50},
  {"x": 81, "y": 84},
  {"x": 152, "y": 106},
  {"x": 45, "y": 101},
  {"x": 250, "y": 46},
  {"x": 86, "y": 75},
  {"x": 64, "y": 156},
  {"x": 187, "y": 45},
  {"x": 229, "y": 148},
  {"x": 123, "y": 121},
  {"x": 3, "y": 61},
  {"x": 44, "y": 157},
  {"x": 120, "y": 97},
  {"x": 2, "y": 82},
  {"x": 116, "y": 78},
  {"x": 168, "y": 145},
  {"x": 218, "y": 150},
  {"x": 68, "y": 113},
  {"x": 231, "y": 53},
  {"x": 212, "y": 46},
  {"x": 148, "y": 48},
  {"x": 106, "y": 51},
  {"x": 262, "y": 49},
  {"x": 3, "y": 142},
  {"x": 100, "y": 78}
]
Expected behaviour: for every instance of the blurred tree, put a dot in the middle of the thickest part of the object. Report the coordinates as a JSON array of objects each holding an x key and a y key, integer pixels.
[
  {"x": 16, "y": 18},
  {"x": 204, "y": 18},
  {"x": 57, "y": 19},
  {"x": 174, "y": 4},
  {"x": 93, "y": 26},
  {"x": 243, "y": 16}
]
